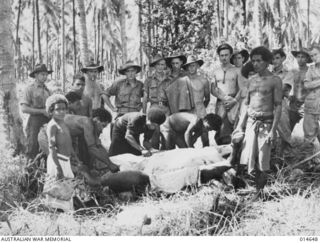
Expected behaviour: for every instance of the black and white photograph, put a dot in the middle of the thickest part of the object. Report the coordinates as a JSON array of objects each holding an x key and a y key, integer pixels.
[{"x": 159, "y": 118}]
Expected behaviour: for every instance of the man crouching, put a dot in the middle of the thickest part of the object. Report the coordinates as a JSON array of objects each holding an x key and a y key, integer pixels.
[{"x": 261, "y": 117}]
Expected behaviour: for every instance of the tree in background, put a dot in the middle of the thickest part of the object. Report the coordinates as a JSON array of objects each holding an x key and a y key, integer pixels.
[{"x": 9, "y": 102}]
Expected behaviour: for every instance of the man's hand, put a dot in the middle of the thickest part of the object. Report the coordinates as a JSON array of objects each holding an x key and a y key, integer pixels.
[
  {"x": 146, "y": 153},
  {"x": 271, "y": 137},
  {"x": 228, "y": 104},
  {"x": 114, "y": 168},
  {"x": 59, "y": 173},
  {"x": 44, "y": 112}
]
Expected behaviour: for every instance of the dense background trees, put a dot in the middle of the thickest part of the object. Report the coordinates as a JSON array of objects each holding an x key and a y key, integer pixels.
[{"x": 109, "y": 31}]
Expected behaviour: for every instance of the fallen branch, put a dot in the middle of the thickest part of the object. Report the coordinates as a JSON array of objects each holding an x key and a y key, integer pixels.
[{"x": 305, "y": 160}]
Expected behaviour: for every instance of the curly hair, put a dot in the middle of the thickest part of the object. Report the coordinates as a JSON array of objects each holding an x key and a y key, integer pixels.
[
  {"x": 264, "y": 52},
  {"x": 102, "y": 114},
  {"x": 53, "y": 100}
]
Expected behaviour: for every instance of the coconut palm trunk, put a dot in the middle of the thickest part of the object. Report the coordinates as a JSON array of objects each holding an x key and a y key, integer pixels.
[
  {"x": 123, "y": 30},
  {"x": 83, "y": 34},
  {"x": 74, "y": 37},
  {"x": 10, "y": 116},
  {"x": 18, "y": 52},
  {"x": 226, "y": 19},
  {"x": 63, "y": 60},
  {"x": 38, "y": 31}
]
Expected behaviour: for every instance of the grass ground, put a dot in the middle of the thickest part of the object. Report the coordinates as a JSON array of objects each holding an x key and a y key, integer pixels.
[{"x": 290, "y": 207}]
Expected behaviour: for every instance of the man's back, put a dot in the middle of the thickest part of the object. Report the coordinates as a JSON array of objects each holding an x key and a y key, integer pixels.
[{"x": 180, "y": 121}]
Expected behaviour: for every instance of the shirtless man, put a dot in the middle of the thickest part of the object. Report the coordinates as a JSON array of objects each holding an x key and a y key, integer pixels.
[
  {"x": 261, "y": 117},
  {"x": 78, "y": 86},
  {"x": 201, "y": 91},
  {"x": 186, "y": 128},
  {"x": 92, "y": 89},
  {"x": 226, "y": 88},
  {"x": 88, "y": 129}
]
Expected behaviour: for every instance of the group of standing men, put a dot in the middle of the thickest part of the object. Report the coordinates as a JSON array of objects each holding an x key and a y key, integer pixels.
[{"x": 169, "y": 108}]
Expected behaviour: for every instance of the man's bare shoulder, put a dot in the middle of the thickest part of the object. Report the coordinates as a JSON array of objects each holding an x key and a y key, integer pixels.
[
  {"x": 76, "y": 119},
  {"x": 52, "y": 126}
]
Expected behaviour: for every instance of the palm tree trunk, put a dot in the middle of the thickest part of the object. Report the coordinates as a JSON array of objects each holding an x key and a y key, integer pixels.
[
  {"x": 47, "y": 43},
  {"x": 18, "y": 43},
  {"x": 33, "y": 31},
  {"x": 244, "y": 13},
  {"x": 308, "y": 23},
  {"x": 226, "y": 19},
  {"x": 257, "y": 22},
  {"x": 83, "y": 34},
  {"x": 38, "y": 32},
  {"x": 99, "y": 33},
  {"x": 95, "y": 33},
  {"x": 123, "y": 30},
  {"x": 63, "y": 60},
  {"x": 74, "y": 37},
  {"x": 218, "y": 18},
  {"x": 140, "y": 32},
  {"x": 10, "y": 116}
]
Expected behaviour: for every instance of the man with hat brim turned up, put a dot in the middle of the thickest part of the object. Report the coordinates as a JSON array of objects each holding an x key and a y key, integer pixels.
[
  {"x": 226, "y": 88},
  {"x": 33, "y": 103},
  {"x": 239, "y": 58},
  {"x": 127, "y": 130},
  {"x": 299, "y": 92},
  {"x": 92, "y": 89},
  {"x": 284, "y": 130},
  {"x": 312, "y": 101},
  {"x": 152, "y": 86},
  {"x": 176, "y": 92},
  {"x": 128, "y": 92},
  {"x": 201, "y": 91},
  {"x": 263, "y": 111}
]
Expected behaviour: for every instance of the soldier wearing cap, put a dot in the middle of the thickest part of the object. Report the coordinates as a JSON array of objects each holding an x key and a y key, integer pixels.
[
  {"x": 174, "y": 62},
  {"x": 92, "y": 88},
  {"x": 33, "y": 103},
  {"x": 128, "y": 91},
  {"x": 201, "y": 91},
  {"x": 226, "y": 88}
]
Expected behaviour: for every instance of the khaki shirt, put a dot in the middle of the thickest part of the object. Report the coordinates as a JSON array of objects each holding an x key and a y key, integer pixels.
[
  {"x": 128, "y": 95},
  {"x": 35, "y": 96},
  {"x": 286, "y": 76},
  {"x": 166, "y": 83},
  {"x": 299, "y": 92},
  {"x": 312, "y": 85},
  {"x": 152, "y": 87}
]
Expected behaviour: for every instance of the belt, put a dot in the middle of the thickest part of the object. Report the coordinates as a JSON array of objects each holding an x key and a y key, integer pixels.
[
  {"x": 159, "y": 103},
  {"x": 262, "y": 118}
]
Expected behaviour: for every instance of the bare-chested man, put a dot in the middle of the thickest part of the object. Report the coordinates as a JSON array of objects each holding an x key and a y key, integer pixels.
[
  {"x": 185, "y": 127},
  {"x": 93, "y": 89},
  {"x": 78, "y": 84},
  {"x": 261, "y": 117},
  {"x": 226, "y": 88},
  {"x": 201, "y": 91}
]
